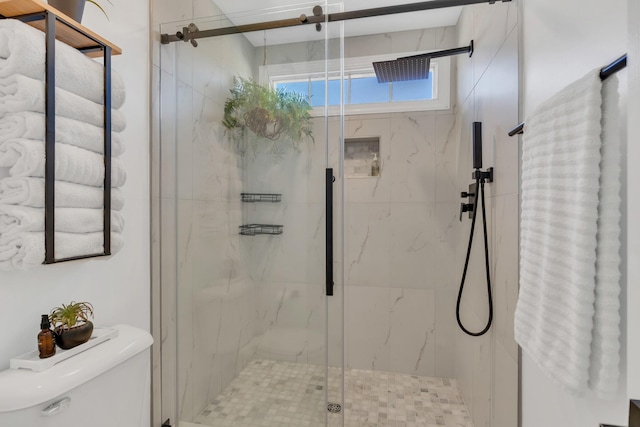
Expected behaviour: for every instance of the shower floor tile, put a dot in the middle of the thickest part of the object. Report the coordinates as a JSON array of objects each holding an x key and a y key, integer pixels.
[{"x": 281, "y": 394}]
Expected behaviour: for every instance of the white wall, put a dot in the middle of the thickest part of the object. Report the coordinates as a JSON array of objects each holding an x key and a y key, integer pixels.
[
  {"x": 118, "y": 287},
  {"x": 562, "y": 41}
]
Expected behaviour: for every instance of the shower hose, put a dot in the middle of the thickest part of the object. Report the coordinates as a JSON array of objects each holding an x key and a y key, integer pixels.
[{"x": 479, "y": 185}]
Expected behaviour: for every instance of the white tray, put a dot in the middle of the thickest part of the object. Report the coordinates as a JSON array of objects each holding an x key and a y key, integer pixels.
[{"x": 33, "y": 362}]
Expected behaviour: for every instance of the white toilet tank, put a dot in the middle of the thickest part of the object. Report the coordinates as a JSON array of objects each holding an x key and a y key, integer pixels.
[{"x": 104, "y": 386}]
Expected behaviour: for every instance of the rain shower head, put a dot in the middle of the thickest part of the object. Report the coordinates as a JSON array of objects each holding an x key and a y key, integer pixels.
[
  {"x": 403, "y": 69},
  {"x": 413, "y": 67}
]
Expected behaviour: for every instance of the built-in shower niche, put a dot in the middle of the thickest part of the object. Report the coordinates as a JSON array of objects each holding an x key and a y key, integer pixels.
[{"x": 362, "y": 157}]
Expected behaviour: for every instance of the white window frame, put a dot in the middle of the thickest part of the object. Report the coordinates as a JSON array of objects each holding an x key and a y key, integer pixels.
[{"x": 302, "y": 71}]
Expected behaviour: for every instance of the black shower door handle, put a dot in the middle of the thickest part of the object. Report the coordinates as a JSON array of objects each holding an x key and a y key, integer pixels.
[{"x": 329, "y": 231}]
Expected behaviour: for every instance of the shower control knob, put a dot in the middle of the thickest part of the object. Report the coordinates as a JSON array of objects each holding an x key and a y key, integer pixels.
[
  {"x": 465, "y": 207},
  {"x": 464, "y": 194}
]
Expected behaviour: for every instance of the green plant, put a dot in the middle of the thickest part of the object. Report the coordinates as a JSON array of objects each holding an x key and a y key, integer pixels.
[
  {"x": 269, "y": 114},
  {"x": 96, "y": 4},
  {"x": 68, "y": 316}
]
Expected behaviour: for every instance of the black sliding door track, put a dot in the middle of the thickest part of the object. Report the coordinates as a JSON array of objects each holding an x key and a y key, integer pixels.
[{"x": 187, "y": 35}]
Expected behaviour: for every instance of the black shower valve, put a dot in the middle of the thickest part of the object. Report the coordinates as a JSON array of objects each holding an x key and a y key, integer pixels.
[
  {"x": 465, "y": 207},
  {"x": 465, "y": 194}
]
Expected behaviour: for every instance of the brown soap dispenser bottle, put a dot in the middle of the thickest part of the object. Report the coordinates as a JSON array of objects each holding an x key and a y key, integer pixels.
[{"x": 46, "y": 343}]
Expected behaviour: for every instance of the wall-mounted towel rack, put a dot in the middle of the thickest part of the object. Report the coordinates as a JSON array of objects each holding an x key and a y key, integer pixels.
[
  {"x": 607, "y": 71},
  {"x": 57, "y": 25}
]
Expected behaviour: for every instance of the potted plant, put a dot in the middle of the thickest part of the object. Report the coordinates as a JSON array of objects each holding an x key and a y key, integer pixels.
[
  {"x": 260, "y": 114},
  {"x": 74, "y": 9},
  {"x": 71, "y": 324}
]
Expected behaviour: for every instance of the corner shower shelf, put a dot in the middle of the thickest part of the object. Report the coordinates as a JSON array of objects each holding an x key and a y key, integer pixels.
[
  {"x": 261, "y": 197},
  {"x": 256, "y": 229}
]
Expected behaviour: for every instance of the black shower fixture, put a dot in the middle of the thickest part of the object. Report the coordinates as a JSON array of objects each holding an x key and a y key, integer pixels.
[
  {"x": 475, "y": 194},
  {"x": 415, "y": 67},
  {"x": 402, "y": 69}
]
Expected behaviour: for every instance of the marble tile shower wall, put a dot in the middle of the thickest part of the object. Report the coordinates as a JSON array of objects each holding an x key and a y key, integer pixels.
[
  {"x": 207, "y": 299},
  {"x": 400, "y": 252},
  {"x": 400, "y": 241},
  {"x": 487, "y": 367}
]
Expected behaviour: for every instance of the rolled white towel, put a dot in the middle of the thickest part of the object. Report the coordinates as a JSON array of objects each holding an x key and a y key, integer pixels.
[
  {"x": 22, "y": 51},
  {"x": 28, "y": 191},
  {"x": 26, "y": 250},
  {"x": 25, "y": 157},
  {"x": 30, "y": 125},
  {"x": 20, "y": 93},
  {"x": 14, "y": 218}
]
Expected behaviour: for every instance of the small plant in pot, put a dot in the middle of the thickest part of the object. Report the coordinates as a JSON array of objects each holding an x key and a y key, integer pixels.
[{"x": 71, "y": 324}]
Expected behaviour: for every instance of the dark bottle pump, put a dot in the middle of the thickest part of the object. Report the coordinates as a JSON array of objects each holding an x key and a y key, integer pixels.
[{"x": 46, "y": 343}]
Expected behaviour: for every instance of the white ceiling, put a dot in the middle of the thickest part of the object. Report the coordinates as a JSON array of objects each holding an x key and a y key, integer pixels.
[{"x": 252, "y": 11}]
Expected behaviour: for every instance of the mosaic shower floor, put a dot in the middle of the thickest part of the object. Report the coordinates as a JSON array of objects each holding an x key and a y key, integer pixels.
[{"x": 281, "y": 394}]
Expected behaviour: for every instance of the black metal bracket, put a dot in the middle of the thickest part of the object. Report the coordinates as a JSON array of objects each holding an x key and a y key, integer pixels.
[
  {"x": 486, "y": 176},
  {"x": 442, "y": 53},
  {"x": 187, "y": 34},
  {"x": 51, "y": 19},
  {"x": 317, "y": 11}
]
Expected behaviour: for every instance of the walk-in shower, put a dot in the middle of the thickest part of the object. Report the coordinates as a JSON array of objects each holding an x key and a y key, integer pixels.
[{"x": 312, "y": 281}]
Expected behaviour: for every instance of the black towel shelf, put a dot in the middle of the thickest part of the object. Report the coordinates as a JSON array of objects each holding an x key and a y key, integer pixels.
[
  {"x": 257, "y": 229},
  {"x": 56, "y": 25},
  {"x": 261, "y": 197}
]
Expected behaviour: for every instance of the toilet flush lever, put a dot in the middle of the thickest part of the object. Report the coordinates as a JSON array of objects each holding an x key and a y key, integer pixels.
[{"x": 56, "y": 407}]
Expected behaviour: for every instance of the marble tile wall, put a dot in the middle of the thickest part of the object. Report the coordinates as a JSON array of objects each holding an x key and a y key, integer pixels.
[
  {"x": 400, "y": 228},
  {"x": 487, "y": 367},
  {"x": 400, "y": 249}
]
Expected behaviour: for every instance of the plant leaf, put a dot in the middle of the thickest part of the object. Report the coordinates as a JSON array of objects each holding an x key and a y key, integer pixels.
[{"x": 100, "y": 7}]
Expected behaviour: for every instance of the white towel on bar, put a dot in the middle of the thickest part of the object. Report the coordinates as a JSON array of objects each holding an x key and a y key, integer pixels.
[
  {"x": 15, "y": 219},
  {"x": 20, "y": 93},
  {"x": 22, "y": 51},
  {"x": 560, "y": 183},
  {"x": 28, "y": 191},
  {"x": 605, "y": 347},
  {"x": 26, "y": 250},
  {"x": 31, "y": 125},
  {"x": 25, "y": 157}
]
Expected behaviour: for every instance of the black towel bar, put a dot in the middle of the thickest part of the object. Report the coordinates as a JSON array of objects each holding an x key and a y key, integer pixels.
[{"x": 607, "y": 71}]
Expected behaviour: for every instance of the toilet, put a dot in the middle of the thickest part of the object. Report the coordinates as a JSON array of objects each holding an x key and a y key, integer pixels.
[{"x": 106, "y": 385}]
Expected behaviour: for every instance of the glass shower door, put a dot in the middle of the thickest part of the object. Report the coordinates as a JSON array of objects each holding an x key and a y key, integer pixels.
[{"x": 244, "y": 174}]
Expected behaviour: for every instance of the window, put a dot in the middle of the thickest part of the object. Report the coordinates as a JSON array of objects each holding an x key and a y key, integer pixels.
[{"x": 362, "y": 92}]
